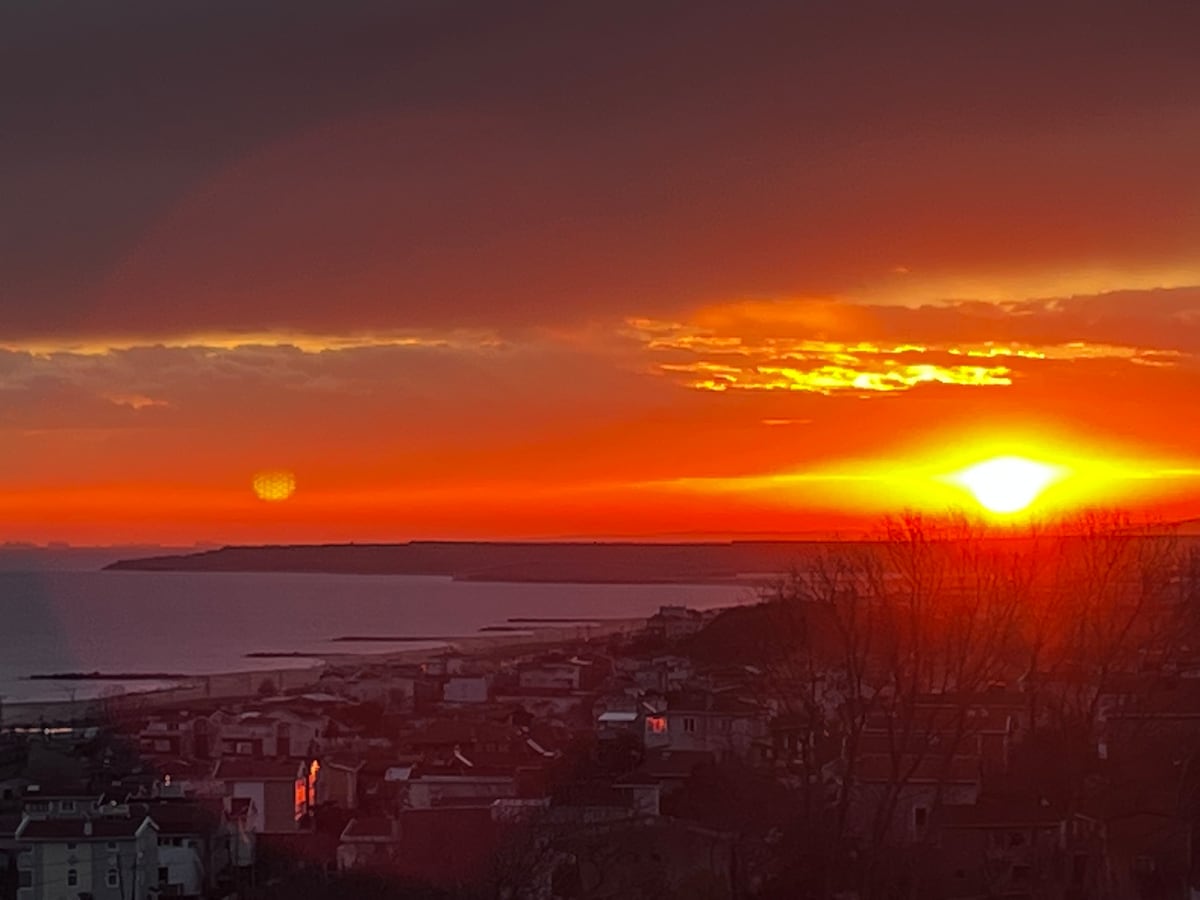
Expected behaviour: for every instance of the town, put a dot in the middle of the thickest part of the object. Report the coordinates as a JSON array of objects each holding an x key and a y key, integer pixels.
[{"x": 868, "y": 728}]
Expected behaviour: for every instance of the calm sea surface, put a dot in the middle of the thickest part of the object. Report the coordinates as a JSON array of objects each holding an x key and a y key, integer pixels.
[{"x": 83, "y": 621}]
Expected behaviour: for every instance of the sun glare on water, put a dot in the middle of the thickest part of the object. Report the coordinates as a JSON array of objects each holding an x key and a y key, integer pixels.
[{"x": 1007, "y": 484}]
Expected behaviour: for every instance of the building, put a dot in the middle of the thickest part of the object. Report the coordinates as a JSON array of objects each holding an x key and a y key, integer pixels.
[
  {"x": 269, "y": 734},
  {"x": 673, "y": 623},
  {"x": 105, "y": 858},
  {"x": 467, "y": 689},
  {"x": 369, "y": 843},
  {"x": 443, "y": 847},
  {"x": 177, "y": 734},
  {"x": 556, "y": 672},
  {"x": 908, "y": 790},
  {"x": 1028, "y": 848},
  {"x": 721, "y": 724},
  {"x": 274, "y": 794},
  {"x": 192, "y": 847}
]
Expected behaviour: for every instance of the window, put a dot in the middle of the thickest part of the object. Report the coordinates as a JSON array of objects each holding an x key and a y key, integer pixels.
[
  {"x": 111, "y": 846},
  {"x": 689, "y": 724},
  {"x": 110, "y": 878},
  {"x": 72, "y": 846},
  {"x": 1016, "y": 839},
  {"x": 920, "y": 816},
  {"x": 67, "y": 806},
  {"x": 72, "y": 877},
  {"x": 163, "y": 875},
  {"x": 656, "y": 724}
]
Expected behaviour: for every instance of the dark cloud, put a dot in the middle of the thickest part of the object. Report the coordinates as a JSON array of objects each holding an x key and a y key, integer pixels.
[{"x": 188, "y": 166}]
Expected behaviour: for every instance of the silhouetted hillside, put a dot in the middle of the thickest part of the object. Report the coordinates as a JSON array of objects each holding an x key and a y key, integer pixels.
[{"x": 557, "y": 562}]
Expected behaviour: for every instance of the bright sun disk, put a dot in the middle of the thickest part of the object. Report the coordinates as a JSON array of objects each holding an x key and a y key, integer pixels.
[{"x": 1007, "y": 484}]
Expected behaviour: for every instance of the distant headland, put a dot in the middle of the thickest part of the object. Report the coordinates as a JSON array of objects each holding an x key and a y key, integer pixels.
[{"x": 748, "y": 562}]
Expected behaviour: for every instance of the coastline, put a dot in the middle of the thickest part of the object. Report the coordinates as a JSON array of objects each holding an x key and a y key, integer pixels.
[{"x": 244, "y": 684}]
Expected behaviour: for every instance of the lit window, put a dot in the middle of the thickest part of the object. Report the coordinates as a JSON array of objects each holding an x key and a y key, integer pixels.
[
  {"x": 656, "y": 724},
  {"x": 300, "y": 795}
]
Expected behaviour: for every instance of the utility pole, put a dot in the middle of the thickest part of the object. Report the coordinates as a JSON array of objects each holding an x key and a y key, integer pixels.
[{"x": 1191, "y": 820}]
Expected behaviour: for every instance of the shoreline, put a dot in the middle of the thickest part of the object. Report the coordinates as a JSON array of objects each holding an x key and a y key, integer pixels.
[{"x": 244, "y": 684}]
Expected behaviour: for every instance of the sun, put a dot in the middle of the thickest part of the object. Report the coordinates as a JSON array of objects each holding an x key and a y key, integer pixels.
[
  {"x": 1007, "y": 484},
  {"x": 274, "y": 486}
]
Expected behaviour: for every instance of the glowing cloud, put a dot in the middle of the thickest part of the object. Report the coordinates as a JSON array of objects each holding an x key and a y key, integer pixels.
[
  {"x": 720, "y": 361},
  {"x": 828, "y": 379}
]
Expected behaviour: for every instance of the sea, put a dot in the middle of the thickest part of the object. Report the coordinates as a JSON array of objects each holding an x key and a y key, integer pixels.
[{"x": 65, "y": 620}]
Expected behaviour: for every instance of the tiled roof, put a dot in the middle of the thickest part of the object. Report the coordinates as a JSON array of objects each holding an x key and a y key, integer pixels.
[
  {"x": 237, "y": 769},
  {"x": 9, "y": 823},
  {"x": 666, "y": 763},
  {"x": 718, "y": 702},
  {"x": 1003, "y": 812},
  {"x": 77, "y": 829},
  {"x": 369, "y": 827},
  {"x": 445, "y": 732},
  {"x": 959, "y": 769},
  {"x": 58, "y": 789},
  {"x": 183, "y": 818}
]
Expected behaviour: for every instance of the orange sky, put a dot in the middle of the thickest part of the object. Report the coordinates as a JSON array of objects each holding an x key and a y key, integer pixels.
[{"x": 554, "y": 274}]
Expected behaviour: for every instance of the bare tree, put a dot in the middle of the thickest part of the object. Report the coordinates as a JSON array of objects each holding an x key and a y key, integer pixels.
[{"x": 888, "y": 644}]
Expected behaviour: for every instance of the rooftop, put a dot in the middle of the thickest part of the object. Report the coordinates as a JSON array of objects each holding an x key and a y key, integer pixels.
[
  {"x": 667, "y": 763},
  {"x": 236, "y": 769},
  {"x": 1003, "y": 812},
  {"x": 370, "y": 828},
  {"x": 82, "y": 829}
]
